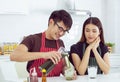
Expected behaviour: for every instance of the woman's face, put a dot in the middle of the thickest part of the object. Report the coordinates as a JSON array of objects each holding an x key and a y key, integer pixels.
[{"x": 91, "y": 32}]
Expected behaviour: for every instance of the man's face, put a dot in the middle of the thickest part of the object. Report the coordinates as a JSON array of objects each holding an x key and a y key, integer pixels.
[{"x": 58, "y": 29}]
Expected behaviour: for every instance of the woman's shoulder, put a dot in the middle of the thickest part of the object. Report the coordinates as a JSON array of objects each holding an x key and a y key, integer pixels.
[
  {"x": 103, "y": 48},
  {"x": 102, "y": 45},
  {"x": 78, "y": 44},
  {"x": 77, "y": 48}
]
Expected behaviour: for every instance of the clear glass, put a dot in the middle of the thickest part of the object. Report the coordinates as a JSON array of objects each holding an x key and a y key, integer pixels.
[
  {"x": 92, "y": 72},
  {"x": 69, "y": 72}
]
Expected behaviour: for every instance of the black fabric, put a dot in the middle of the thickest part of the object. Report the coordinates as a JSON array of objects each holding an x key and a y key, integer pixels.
[
  {"x": 92, "y": 60},
  {"x": 79, "y": 49}
]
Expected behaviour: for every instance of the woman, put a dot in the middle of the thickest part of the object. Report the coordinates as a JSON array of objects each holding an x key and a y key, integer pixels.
[{"x": 91, "y": 49}]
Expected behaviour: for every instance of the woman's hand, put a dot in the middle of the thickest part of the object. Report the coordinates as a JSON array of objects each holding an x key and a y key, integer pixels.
[{"x": 94, "y": 44}]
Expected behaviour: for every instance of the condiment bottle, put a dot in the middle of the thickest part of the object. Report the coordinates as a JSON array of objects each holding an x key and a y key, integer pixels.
[
  {"x": 33, "y": 76},
  {"x": 44, "y": 75}
]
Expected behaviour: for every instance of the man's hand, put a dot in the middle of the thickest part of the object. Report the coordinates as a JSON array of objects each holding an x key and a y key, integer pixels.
[{"x": 54, "y": 56}]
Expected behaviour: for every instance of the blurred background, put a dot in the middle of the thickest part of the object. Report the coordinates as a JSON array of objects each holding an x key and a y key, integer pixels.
[{"x": 20, "y": 18}]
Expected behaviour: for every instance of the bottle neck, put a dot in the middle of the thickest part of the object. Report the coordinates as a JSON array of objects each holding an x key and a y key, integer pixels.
[
  {"x": 33, "y": 72},
  {"x": 44, "y": 77}
]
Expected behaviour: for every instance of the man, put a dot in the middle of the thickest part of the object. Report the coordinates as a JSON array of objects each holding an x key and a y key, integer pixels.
[{"x": 38, "y": 48}]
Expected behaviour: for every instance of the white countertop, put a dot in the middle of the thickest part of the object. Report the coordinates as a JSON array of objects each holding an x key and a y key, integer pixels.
[
  {"x": 4, "y": 57},
  {"x": 115, "y": 77}
]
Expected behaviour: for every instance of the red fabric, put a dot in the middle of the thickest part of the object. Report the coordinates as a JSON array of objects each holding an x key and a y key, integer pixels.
[{"x": 57, "y": 69}]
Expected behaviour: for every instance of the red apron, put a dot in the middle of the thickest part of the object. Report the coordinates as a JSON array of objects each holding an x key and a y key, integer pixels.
[{"x": 58, "y": 67}]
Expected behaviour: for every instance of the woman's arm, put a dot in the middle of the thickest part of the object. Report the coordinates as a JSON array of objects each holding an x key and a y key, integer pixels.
[
  {"x": 81, "y": 64},
  {"x": 102, "y": 62}
]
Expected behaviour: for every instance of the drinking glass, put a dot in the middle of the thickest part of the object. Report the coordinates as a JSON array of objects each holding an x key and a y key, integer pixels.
[
  {"x": 92, "y": 72},
  {"x": 69, "y": 72}
]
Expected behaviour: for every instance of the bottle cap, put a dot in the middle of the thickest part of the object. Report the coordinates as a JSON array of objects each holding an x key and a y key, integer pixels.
[
  {"x": 34, "y": 73},
  {"x": 44, "y": 70}
]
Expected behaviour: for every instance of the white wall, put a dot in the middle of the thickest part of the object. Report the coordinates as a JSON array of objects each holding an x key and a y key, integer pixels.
[
  {"x": 14, "y": 26},
  {"x": 117, "y": 16},
  {"x": 111, "y": 22}
]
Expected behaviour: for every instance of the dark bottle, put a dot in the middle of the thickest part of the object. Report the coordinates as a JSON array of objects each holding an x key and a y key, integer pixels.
[{"x": 49, "y": 65}]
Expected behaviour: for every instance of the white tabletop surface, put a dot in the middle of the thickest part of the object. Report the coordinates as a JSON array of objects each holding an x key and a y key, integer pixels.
[{"x": 114, "y": 77}]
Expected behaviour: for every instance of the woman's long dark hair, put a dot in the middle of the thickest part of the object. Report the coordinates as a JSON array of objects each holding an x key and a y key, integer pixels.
[{"x": 95, "y": 21}]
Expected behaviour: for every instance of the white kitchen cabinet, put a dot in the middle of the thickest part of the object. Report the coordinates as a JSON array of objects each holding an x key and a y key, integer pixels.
[
  {"x": 11, "y": 70},
  {"x": 114, "y": 62}
]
